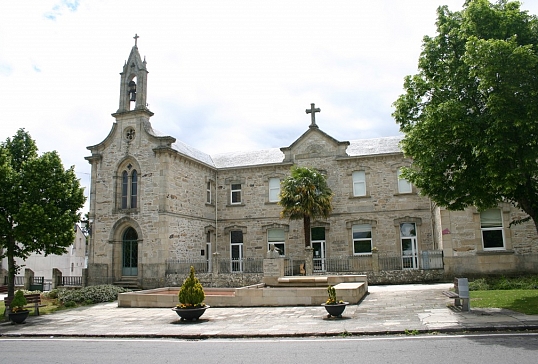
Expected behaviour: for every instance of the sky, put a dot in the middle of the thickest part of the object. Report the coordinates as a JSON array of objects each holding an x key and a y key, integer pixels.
[{"x": 224, "y": 75}]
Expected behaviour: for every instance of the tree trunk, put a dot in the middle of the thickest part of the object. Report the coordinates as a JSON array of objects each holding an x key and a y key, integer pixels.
[
  {"x": 306, "y": 226},
  {"x": 527, "y": 206},
  {"x": 12, "y": 271},
  {"x": 12, "y": 267}
]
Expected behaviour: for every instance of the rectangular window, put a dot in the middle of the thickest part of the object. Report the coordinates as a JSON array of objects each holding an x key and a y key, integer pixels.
[
  {"x": 208, "y": 250},
  {"x": 317, "y": 233},
  {"x": 359, "y": 183},
  {"x": 236, "y": 250},
  {"x": 492, "y": 229},
  {"x": 318, "y": 245},
  {"x": 274, "y": 189},
  {"x": 235, "y": 193},
  {"x": 362, "y": 239},
  {"x": 404, "y": 186},
  {"x": 276, "y": 237},
  {"x": 208, "y": 192},
  {"x": 409, "y": 243}
]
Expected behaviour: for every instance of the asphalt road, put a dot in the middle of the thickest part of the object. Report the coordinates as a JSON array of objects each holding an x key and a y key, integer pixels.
[{"x": 484, "y": 348}]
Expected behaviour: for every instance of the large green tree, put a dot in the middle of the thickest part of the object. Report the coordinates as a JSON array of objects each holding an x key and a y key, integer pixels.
[
  {"x": 305, "y": 195},
  {"x": 39, "y": 202},
  {"x": 470, "y": 116}
]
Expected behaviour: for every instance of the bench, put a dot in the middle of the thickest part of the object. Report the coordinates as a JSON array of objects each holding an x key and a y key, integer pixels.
[
  {"x": 3, "y": 289},
  {"x": 32, "y": 301},
  {"x": 460, "y": 294}
]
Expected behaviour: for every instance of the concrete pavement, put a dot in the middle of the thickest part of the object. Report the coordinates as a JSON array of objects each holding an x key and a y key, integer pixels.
[{"x": 385, "y": 310}]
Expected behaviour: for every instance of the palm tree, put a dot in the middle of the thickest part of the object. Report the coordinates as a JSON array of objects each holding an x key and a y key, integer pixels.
[{"x": 305, "y": 195}]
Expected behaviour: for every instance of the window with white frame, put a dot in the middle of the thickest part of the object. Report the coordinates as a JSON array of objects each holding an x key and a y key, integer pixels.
[
  {"x": 235, "y": 193},
  {"x": 274, "y": 189},
  {"x": 276, "y": 237},
  {"x": 491, "y": 225},
  {"x": 359, "y": 183},
  {"x": 208, "y": 250},
  {"x": 208, "y": 192},
  {"x": 404, "y": 186},
  {"x": 362, "y": 239},
  {"x": 236, "y": 250}
]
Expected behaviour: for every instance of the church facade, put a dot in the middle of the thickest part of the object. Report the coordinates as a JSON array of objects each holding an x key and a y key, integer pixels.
[{"x": 155, "y": 201}]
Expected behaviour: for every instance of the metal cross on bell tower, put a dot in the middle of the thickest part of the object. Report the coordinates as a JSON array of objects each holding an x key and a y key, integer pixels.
[{"x": 313, "y": 110}]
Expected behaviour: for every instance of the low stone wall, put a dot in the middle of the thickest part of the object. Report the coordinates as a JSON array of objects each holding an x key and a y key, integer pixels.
[
  {"x": 407, "y": 276},
  {"x": 222, "y": 280},
  {"x": 491, "y": 263},
  {"x": 236, "y": 280}
]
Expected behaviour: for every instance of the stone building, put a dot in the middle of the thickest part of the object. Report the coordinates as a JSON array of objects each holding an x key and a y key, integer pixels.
[{"x": 157, "y": 203}]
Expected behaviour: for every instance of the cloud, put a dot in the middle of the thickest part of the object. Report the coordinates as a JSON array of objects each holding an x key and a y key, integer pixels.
[
  {"x": 59, "y": 9},
  {"x": 5, "y": 69},
  {"x": 224, "y": 76}
]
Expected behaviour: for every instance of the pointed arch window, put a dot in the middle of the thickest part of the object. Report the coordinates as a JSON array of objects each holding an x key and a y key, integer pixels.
[
  {"x": 134, "y": 189},
  {"x": 129, "y": 188},
  {"x": 124, "y": 189}
]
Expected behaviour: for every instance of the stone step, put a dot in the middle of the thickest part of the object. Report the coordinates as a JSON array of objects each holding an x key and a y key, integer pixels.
[
  {"x": 302, "y": 281},
  {"x": 128, "y": 282}
]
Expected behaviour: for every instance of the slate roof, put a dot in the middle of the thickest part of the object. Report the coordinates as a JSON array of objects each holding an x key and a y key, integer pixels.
[
  {"x": 375, "y": 146},
  {"x": 360, "y": 147},
  {"x": 242, "y": 159},
  {"x": 356, "y": 148},
  {"x": 193, "y": 153},
  {"x": 183, "y": 148}
]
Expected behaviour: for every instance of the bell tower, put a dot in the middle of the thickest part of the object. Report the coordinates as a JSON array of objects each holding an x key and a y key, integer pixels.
[{"x": 133, "y": 88}]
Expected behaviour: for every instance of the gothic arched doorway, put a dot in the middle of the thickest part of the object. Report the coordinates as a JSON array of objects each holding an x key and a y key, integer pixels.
[{"x": 130, "y": 252}]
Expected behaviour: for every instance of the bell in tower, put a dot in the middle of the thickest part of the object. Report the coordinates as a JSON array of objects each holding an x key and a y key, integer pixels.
[
  {"x": 133, "y": 82},
  {"x": 132, "y": 91}
]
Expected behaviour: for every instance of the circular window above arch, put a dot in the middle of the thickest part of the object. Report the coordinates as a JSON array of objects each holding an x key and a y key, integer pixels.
[{"x": 129, "y": 134}]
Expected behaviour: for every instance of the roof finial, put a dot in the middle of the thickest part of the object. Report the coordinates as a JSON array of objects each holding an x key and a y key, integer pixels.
[
  {"x": 313, "y": 110},
  {"x": 136, "y": 38}
]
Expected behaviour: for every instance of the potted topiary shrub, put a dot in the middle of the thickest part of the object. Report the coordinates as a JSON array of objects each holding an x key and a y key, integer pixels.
[
  {"x": 17, "y": 312},
  {"x": 191, "y": 299},
  {"x": 334, "y": 306}
]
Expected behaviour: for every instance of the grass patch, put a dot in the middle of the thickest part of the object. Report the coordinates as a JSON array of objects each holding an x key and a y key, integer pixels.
[
  {"x": 51, "y": 305},
  {"x": 524, "y": 301},
  {"x": 61, "y": 299}
]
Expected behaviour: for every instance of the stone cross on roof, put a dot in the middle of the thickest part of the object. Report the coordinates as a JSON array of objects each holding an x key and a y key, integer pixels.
[
  {"x": 136, "y": 38},
  {"x": 313, "y": 110}
]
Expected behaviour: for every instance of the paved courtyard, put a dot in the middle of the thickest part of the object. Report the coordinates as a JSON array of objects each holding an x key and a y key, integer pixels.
[{"x": 386, "y": 309}]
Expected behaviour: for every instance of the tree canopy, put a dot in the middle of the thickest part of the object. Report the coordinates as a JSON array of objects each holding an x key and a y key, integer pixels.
[
  {"x": 470, "y": 115},
  {"x": 39, "y": 202},
  {"x": 305, "y": 195}
]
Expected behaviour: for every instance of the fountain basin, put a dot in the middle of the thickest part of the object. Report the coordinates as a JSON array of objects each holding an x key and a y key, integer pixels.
[{"x": 287, "y": 291}]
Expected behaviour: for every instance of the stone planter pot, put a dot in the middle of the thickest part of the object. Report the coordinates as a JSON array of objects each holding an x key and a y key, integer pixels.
[
  {"x": 190, "y": 314},
  {"x": 335, "y": 310},
  {"x": 18, "y": 317}
]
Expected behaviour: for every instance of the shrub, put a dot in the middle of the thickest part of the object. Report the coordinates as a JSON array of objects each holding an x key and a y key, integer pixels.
[
  {"x": 52, "y": 294},
  {"x": 191, "y": 293},
  {"x": 91, "y": 294},
  {"x": 331, "y": 291},
  {"x": 479, "y": 285},
  {"x": 18, "y": 302},
  {"x": 504, "y": 283}
]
